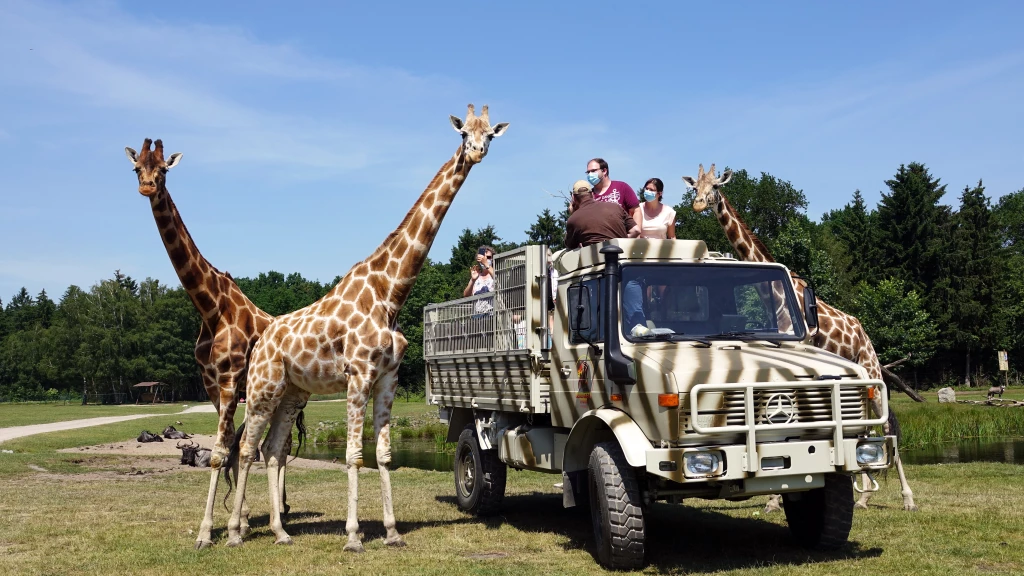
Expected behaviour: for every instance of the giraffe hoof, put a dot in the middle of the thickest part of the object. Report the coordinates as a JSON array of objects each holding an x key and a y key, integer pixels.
[
  {"x": 286, "y": 541},
  {"x": 395, "y": 541},
  {"x": 772, "y": 508},
  {"x": 243, "y": 531},
  {"x": 356, "y": 547},
  {"x": 860, "y": 505},
  {"x": 234, "y": 542},
  {"x": 910, "y": 508},
  {"x": 201, "y": 544}
]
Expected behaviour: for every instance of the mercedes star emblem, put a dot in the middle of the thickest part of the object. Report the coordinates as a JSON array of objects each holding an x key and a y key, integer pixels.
[{"x": 780, "y": 409}]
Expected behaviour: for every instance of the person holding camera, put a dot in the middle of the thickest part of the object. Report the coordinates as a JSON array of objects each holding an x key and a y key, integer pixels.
[{"x": 481, "y": 278}]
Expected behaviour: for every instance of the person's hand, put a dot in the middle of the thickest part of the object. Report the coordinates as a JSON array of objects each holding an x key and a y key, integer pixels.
[
  {"x": 480, "y": 258},
  {"x": 473, "y": 274}
]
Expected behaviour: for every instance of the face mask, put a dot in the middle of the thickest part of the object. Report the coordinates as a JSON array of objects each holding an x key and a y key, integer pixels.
[
  {"x": 594, "y": 177},
  {"x": 649, "y": 195}
]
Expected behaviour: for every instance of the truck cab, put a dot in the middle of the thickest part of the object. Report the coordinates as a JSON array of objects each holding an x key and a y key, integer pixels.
[{"x": 644, "y": 370}]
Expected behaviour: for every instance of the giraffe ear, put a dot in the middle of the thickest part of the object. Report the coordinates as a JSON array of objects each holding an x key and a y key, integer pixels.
[
  {"x": 456, "y": 123},
  {"x": 499, "y": 129},
  {"x": 173, "y": 160},
  {"x": 690, "y": 181},
  {"x": 726, "y": 176},
  {"x": 132, "y": 154}
]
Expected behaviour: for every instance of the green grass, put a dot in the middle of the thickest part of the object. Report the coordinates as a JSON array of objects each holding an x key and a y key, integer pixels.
[
  {"x": 933, "y": 423},
  {"x": 90, "y": 517},
  {"x": 24, "y": 414}
]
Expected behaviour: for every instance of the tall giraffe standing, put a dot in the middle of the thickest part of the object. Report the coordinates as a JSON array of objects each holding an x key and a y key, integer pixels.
[
  {"x": 231, "y": 324},
  {"x": 349, "y": 340},
  {"x": 838, "y": 332}
]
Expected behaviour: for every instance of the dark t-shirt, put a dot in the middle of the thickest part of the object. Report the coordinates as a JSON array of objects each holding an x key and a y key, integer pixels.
[
  {"x": 620, "y": 193},
  {"x": 595, "y": 222}
]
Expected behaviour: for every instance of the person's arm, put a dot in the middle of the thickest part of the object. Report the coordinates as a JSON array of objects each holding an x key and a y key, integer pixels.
[
  {"x": 571, "y": 242},
  {"x": 671, "y": 225},
  {"x": 630, "y": 201},
  {"x": 632, "y": 230},
  {"x": 469, "y": 287}
]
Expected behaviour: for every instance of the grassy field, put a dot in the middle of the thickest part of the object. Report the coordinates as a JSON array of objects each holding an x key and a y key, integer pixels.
[
  {"x": 29, "y": 413},
  {"x": 84, "y": 514},
  {"x": 74, "y": 514},
  {"x": 933, "y": 423}
]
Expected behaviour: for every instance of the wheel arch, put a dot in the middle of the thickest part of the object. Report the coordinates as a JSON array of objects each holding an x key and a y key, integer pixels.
[{"x": 602, "y": 425}]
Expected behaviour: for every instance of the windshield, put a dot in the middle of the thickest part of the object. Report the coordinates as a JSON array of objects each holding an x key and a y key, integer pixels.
[{"x": 719, "y": 301}]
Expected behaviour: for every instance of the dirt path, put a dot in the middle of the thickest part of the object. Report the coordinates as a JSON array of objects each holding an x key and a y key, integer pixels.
[{"x": 19, "y": 431}]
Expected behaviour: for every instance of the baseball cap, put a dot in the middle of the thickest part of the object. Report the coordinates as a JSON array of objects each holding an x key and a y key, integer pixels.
[{"x": 581, "y": 187}]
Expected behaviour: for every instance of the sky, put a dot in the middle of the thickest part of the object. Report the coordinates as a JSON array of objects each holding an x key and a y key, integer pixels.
[{"x": 309, "y": 129}]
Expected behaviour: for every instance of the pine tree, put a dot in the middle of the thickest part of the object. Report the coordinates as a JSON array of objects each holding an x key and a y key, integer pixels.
[
  {"x": 853, "y": 227},
  {"x": 548, "y": 229},
  {"x": 971, "y": 270},
  {"x": 909, "y": 227}
]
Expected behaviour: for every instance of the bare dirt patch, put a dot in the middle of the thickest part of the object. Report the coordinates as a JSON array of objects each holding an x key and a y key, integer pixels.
[{"x": 168, "y": 448}]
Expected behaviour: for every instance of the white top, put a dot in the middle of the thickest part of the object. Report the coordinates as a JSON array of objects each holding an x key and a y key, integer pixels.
[
  {"x": 483, "y": 281},
  {"x": 657, "y": 227}
]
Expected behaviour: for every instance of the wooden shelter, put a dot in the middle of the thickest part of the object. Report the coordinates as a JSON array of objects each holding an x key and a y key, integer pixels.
[{"x": 152, "y": 393}]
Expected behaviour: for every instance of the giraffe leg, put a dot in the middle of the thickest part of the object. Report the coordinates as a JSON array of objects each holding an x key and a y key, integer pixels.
[
  {"x": 276, "y": 447},
  {"x": 203, "y": 538},
  {"x": 383, "y": 399},
  {"x": 255, "y": 425},
  {"x": 284, "y": 462},
  {"x": 862, "y": 502},
  {"x": 908, "y": 494},
  {"x": 774, "y": 504},
  {"x": 358, "y": 390}
]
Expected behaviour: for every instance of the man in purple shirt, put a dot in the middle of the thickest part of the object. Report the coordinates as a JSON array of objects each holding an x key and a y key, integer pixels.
[{"x": 608, "y": 190}]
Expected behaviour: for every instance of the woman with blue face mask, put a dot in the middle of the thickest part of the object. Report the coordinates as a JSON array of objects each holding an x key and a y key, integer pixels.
[{"x": 656, "y": 219}]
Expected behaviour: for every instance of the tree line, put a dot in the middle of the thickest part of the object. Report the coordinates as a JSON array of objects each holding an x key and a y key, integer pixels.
[{"x": 939, "y": 284}]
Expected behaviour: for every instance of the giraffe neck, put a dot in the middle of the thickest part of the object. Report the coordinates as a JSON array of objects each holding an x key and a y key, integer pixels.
[
  {"x": 404, "y": 251},
  {"x": 197, "y": 275},
  {"x": 748, "y": 247}
]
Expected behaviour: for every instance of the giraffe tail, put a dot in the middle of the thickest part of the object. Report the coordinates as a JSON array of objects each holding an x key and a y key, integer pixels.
[
  {"x": 300, "y": 425},
  {"x": 231, "y": 462}
]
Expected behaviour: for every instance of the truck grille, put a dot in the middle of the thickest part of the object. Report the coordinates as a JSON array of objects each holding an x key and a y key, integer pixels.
[{"x": 781, "y": 405}]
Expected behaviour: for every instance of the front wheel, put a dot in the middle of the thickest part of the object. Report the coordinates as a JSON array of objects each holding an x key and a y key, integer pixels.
[
  {"x": 821, "y": 518},
  {"x": 615, "y": 508},
  {"x": 479, "y": 476}
]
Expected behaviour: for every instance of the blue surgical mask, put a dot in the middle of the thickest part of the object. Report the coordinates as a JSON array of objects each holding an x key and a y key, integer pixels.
[
  {"x": 594, "y": 177},
  {"x": 649, "y": 195}
]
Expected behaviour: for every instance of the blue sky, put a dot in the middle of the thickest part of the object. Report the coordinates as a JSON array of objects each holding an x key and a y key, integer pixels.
[{"x": 309, "y": 131}]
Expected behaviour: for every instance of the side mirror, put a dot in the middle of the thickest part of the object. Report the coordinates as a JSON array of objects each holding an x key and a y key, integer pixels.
[
  {"x": 810, "y": 307},
  {"x": 578, "y": 309}
]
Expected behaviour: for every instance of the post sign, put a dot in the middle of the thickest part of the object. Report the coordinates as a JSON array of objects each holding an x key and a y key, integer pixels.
[{"x": 1004, "y": 364}]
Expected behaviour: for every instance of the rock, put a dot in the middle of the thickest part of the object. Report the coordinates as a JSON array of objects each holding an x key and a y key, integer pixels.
[{"x": 947, "y": 396}]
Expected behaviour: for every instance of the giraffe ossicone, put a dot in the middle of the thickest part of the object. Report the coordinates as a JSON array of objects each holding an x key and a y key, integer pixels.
[{"x": 349, "y": 341}]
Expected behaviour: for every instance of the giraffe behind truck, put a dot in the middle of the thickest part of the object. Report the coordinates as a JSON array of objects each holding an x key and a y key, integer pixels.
[{"x": 667, "y": 372}]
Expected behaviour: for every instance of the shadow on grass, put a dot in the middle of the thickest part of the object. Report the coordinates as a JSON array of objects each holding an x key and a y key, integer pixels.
[{"x": 678, "y": 537}]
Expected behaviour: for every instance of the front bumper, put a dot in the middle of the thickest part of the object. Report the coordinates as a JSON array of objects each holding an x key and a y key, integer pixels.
[{"x": 779, "y": 466}]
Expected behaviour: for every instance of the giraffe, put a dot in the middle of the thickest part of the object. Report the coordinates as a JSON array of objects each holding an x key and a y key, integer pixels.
[
  {"x": 231, "y": 324},
  {"x": 838, "y": 332},
  {"x": 349, "y": 340}
]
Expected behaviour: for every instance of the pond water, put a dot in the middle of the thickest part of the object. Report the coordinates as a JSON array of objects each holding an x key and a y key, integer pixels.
[
  {"x": 1009, "y": 450},
  {"x": 422, "y": 454}
]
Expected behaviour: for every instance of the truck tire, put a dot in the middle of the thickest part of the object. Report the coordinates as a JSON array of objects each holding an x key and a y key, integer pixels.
[
  {"x": 479, "y": 476},
  {"x": 821, "y": 518},
  {"x": 615, "y": 508}
]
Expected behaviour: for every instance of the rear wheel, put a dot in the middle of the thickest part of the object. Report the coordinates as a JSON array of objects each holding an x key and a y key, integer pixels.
[
  {"x": 821, "y": 518},
  {"x": 479, "y": 476},
  {"x": 615, "y": 508}
]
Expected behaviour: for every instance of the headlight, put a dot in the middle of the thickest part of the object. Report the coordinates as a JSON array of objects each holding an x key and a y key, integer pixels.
[
  {"x": 702, "y": 463},
  {"x": 870, "y": 453}
]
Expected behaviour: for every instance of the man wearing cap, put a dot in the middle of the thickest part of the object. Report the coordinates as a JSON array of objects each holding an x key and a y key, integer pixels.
[{"x": 592, "y": 222}]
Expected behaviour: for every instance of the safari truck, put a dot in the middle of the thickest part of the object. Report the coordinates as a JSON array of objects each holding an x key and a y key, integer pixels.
[{"x": 645, "y": 370}]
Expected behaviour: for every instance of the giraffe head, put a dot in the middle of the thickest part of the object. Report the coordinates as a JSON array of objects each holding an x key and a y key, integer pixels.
[
  {"x": 477, "y": 133},
  {"x": 151, "y": 167},
  {"x": 707, "y": 185}
]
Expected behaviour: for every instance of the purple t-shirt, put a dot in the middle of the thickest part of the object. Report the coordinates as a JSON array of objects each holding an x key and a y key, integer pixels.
[{"x": 619, "y": 192}]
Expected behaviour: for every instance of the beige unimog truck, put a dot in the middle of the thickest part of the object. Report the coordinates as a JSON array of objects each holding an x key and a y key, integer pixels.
[{"x": 644, "y": 370}]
